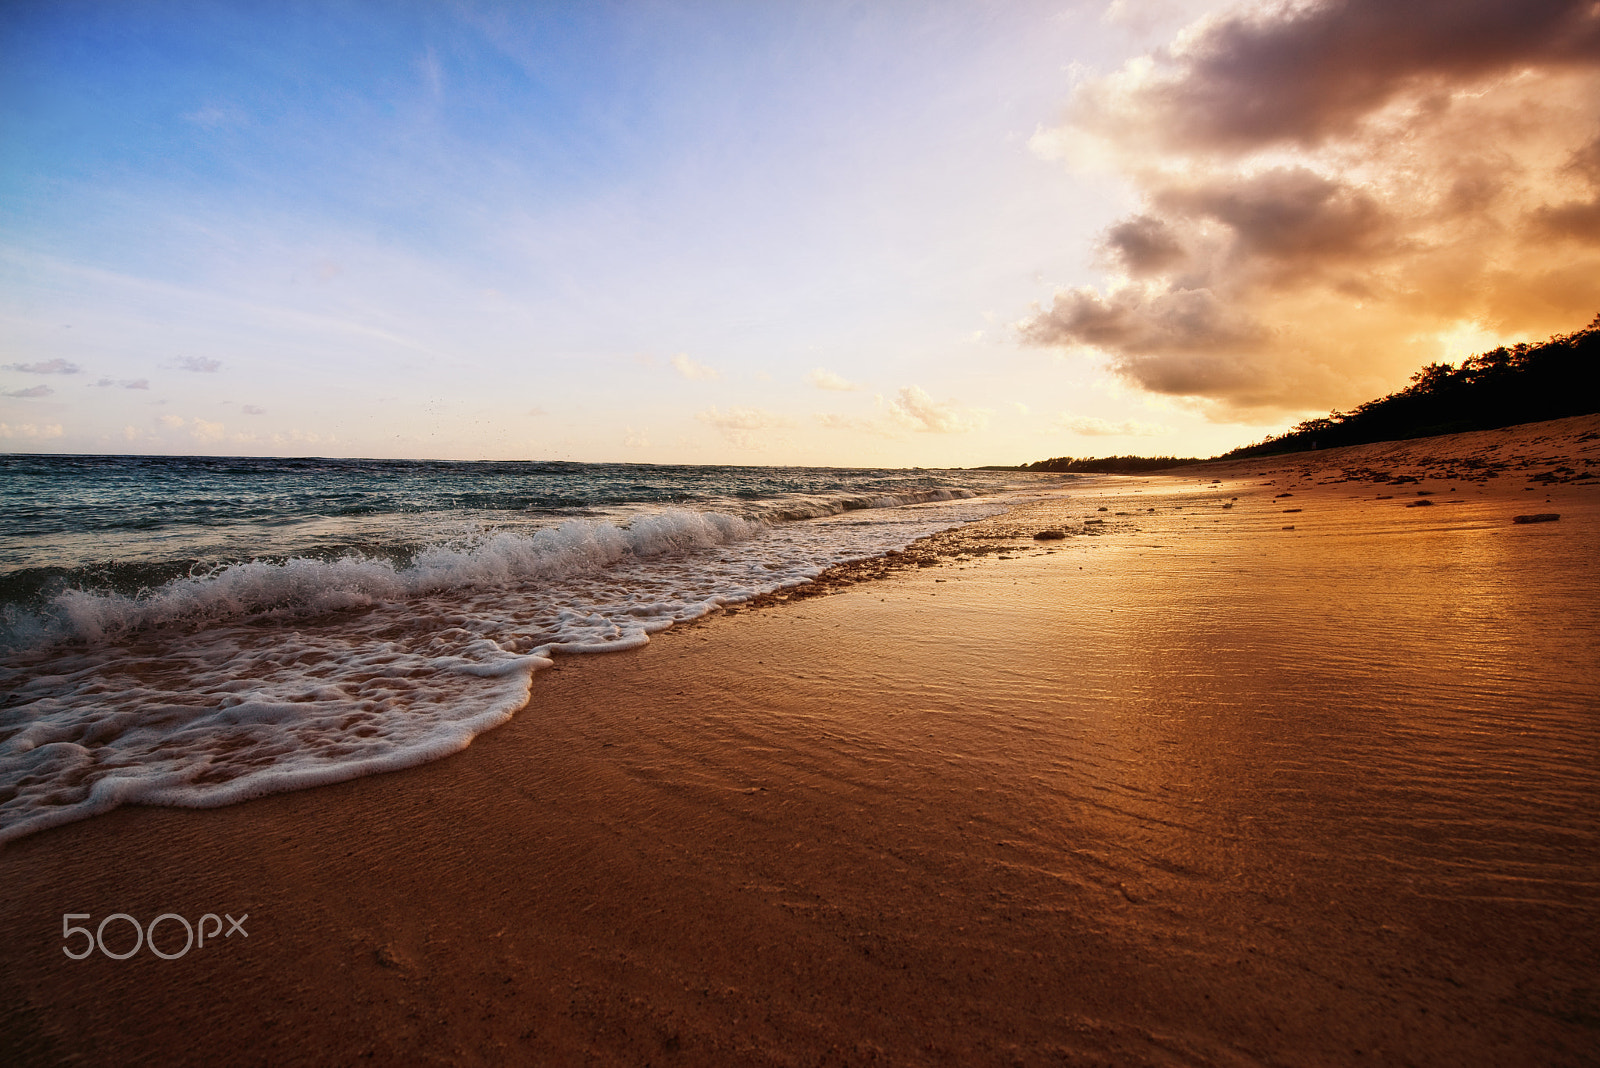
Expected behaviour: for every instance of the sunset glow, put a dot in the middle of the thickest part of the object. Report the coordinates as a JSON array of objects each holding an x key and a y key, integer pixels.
[{"x": 942, "y": 234}]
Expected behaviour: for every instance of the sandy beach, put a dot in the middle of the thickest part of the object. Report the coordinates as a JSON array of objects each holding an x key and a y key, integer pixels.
[{"x": 1282, "y": 761}]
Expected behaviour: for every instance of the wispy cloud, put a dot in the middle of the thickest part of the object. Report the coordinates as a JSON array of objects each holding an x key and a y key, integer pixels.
[
  {"x": 205, "y": 430},
  {"x": 1091, "y": 426},
  {"x": 30, "y": 431},
  {"x": 31, "y": 391},
  {"x": 741, "y": 426},
  {"x": 915, "y": 410},
  {"x": 46, "y": 367},
  {"x": 822, "y": 378},
  {"x": 1331, "y": 188},
  {"x": 124, "y": 383},
  {"x": 690, "y": 369},
  {"x": 833, "y": 421},
  {"x": 432, "y": 73},
  {"x": 199, "y": 364},
  {"x": 216, "y": 117}
]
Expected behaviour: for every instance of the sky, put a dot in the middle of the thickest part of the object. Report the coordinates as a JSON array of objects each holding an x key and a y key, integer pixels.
[{"x": 940, "y": 233}]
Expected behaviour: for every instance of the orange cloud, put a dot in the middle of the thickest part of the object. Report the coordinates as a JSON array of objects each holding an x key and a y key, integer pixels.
[{"x": 1330, "y": 189}]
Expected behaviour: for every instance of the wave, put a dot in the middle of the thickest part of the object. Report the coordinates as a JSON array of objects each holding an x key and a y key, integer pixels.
[
  {"x": 307, "y": 586},
  {"x": 243, "y": 679},
  {"x": 820, "y": 506}
]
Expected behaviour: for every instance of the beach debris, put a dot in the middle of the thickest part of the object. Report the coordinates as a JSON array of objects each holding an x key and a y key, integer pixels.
[
  {"x": 1289, "y": 527},
  {"x": 1283, "y": 495},
  {"x": 1286, "y": 511},
  {"x": 1050, "y": 535},
  {"x": 388, "y": 956},
  {"x": 1092, "y": 522},
  {"x": 1102, "y": 508},
  {"x": 1540, "y": 517},
  {"x": 1420, "y": 504}
]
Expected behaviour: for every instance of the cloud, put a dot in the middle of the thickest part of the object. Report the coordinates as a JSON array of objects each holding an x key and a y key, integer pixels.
[
  {"x": 1307, "y": 73},
  {"x": 432, "y": 73},
  {"x": 31, "y": 391},
  {"x": 212, "y": 117},
  {"x": 915, "y": 410},
  {"x": 832, "y": 421},
  {"x": 1139, "y": 16},
  {"x": 1143, "y": 245},
  {"x": 1090, "y": 426},
  {"x": 200, "y": 364},
  {"x": 698, "y": 372},
  {"x": 1330, "y": 190},
  {"x": 47, "y": 367},
  {"x": 125, "y": 383},
  {"x": 825, "y": 379},
  {"x": 29, "y": 431},
  {"x": 251, "y": 409},
  {"x": 304, "y": 437},
  {"x": 173, "y": 421},
  {"x": 740, "y": 425},
  {"x": 744, "y": 427}
]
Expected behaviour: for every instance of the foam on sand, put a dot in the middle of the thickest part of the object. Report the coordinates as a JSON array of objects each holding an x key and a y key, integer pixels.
[{"x": 264, "y": 676}]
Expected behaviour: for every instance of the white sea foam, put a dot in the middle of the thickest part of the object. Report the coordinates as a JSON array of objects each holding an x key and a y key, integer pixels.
[
  {"x": 255, "y": 677},
  {"x": 311, "y": 587}
]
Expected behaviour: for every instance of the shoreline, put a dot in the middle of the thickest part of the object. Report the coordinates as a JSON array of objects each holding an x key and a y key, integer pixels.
[{"x": 1197, "y": 789}]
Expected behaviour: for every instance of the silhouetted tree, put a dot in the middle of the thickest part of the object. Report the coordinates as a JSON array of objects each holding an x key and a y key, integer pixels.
[{"x": 1502, "y": 387}]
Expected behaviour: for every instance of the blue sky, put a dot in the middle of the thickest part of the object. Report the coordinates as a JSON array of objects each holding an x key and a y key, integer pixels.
[{"x": 694, "y": 232}]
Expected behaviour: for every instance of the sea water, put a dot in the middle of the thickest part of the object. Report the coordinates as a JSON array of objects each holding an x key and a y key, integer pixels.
[{"x": 199, "y": 630}]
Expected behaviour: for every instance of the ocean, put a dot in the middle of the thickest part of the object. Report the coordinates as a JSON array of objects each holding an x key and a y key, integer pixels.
[{"x": 201, "y": 630}]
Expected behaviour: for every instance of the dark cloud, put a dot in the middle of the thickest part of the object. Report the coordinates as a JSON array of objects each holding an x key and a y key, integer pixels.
[
  {"x": 1177, "y": 341},
  {"x": 46, "y": 367},
  {"x": 1330, "y": 189},
  {"x": 1145, "y": 319},
  {"x": 1143, "y": 245},
  {"x": 1284, "y": 214},
  {"x": 1578, "y": 218},
  {"x": 1307, "y": 73}
]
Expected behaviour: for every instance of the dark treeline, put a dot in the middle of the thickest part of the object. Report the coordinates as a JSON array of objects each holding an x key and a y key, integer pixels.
[
  {"x": 1521, "y": 384},
  {"x": 1113, "y": 465}
]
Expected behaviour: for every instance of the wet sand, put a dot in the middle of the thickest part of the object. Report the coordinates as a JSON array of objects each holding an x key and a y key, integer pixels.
[{"x": 1183, "y": 787}]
